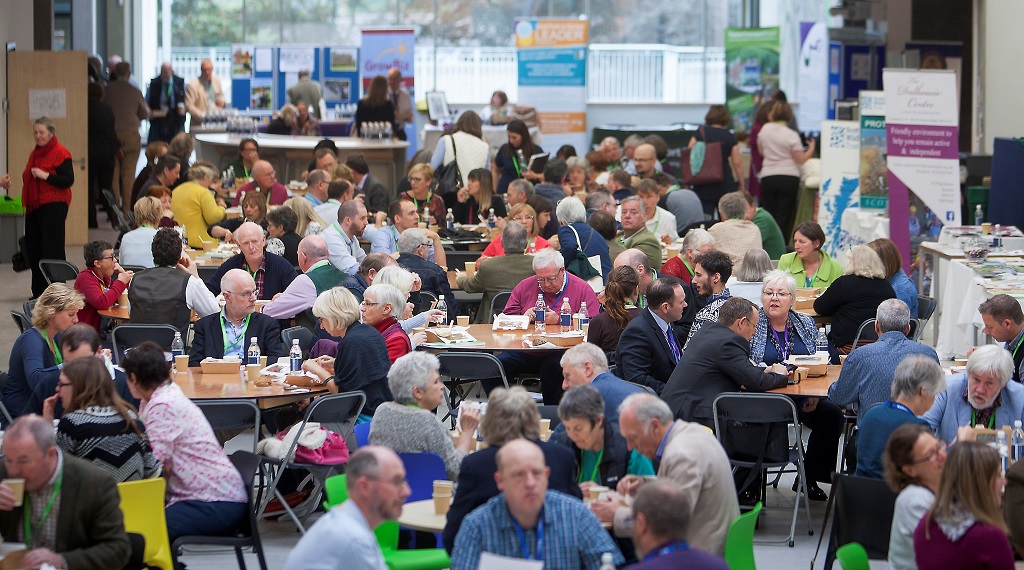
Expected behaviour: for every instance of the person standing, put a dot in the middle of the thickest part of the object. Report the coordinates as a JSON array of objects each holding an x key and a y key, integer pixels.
[
  {"x": 103, "y": 148},
  {"x": 400, "y": 100},
  {"x": 166, "y": 96},
  {"x": 46, "y": 195},
  {"x": 716, "y": 130},
  {"x": 306, "y": 91},
  {"x": 203, "y": 94},
  {"x": 780, "y": 173},
  {"x": 129, "y": 108}
]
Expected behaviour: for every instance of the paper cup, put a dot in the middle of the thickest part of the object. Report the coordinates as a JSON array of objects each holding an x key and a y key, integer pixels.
[
  {"x": 263, "y": 362},
  {"x": 441, "y": 504},
  {"x": 123, "y": 299},
  {"x": 181, "y": 364},
  {"x": 209, "y": 245},
  {"x": 986, "y": 228},
  {"x": 596, "y": 490},
  {"x": 252, "y": 372},
  {"x": 462, "y": 320},
  {"x": 18, "y": 488},
  {"x": 443, "y": 487},
  {"x": 673, "y": 252},
  {"x": 422, "y": 225},
  {"x": 545, "y": 426},
  {"x": 471, "y": 268}
]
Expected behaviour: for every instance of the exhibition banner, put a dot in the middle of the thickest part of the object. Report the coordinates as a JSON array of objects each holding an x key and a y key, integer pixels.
[
  {"x": 922, "y": 120},
  {"x": 553, "y": 77},
  {"x": 840, "y": 179},
  {"x": 812, "y": 75},
  {"x": 752, "y": 71},
  {"x": 384, "y": 48},
  {"x": 874, "y": 177}
]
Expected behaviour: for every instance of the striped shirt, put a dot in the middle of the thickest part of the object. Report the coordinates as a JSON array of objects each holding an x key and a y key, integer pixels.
[{"x": 100, "y": 434}]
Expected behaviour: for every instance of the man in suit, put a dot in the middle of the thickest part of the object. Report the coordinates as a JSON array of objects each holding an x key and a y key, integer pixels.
[
  {"x": 270, "y": 271},
  {"x": 650, "y": 345},
  {"x": 229, "y": 332},
  {"x": 166, "y": 98},
  {"x": 635, "y": 233},
  {"x": 83, "y": 526},
  {"x": 376, "y": 196},
  {"x": 413, "y": 255},
  {"x": 718, "y": 360},
  {"x": 511, "y": 414},
  {"x": 203, "y": 94},
  {"x": 500, "y": 273},
  {"x": 306, "y": 91},
  {"x": 684, "y": 454}
]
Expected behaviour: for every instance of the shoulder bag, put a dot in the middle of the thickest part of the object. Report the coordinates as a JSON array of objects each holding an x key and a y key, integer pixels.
[
  {"x": 448, "y": 176},
  {"x": 702, "y": 163}
]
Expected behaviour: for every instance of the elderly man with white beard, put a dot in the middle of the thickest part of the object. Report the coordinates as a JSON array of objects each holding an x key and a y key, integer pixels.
[{"x": 982, "y": 397}]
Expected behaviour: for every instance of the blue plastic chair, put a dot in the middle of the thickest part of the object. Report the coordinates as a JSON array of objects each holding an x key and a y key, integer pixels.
[
  {"x": 421, "y": 470},
  {"x": 362, "y": 434}
]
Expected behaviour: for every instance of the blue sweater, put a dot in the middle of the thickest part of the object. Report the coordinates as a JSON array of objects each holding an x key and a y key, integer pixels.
[
  {"x": 362, "y": 364},
  {"x": 906, "y": 290},
  {"x": 876, "y": 426},
  {"x": 30, "y": 357}
]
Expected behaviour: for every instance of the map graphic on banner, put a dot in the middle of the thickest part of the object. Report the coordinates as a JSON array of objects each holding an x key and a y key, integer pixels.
[
  {"x": 922, "y": 117},
  {"x": 751, "y": 71},
  {"x": 553, "y": 77},
  {"x": 840, "y": 179}
]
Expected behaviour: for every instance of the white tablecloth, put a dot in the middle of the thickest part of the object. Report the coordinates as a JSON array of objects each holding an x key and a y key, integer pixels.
[{"x": 963, "y": 290}]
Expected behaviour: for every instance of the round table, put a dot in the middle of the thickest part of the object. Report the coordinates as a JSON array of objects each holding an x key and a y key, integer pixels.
[
  {"x": 199, "y": 386},
  {"x": 419, "y": 515}
]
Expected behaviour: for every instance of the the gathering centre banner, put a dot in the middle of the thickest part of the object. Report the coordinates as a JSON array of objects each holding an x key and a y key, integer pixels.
[
  {"x": 553, "y": 77},
  {"x": 921, "y": 114},
  {"x": 751, "y": 71}
]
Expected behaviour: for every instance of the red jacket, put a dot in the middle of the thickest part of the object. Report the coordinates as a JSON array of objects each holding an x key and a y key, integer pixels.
[
  {"x": 395, "y": 339},
  {"x": 36, "y": 192},
  {"x": 99, "y": 295}
]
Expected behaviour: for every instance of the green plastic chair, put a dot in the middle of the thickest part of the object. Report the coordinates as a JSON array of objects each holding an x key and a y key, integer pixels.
[
  {"x": 852, "y": 556},
  {"x": 336, "y": 489},
  {"x": 739, "y": 543}
]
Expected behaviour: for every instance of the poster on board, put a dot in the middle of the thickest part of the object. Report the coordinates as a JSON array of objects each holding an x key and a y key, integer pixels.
[
  {"x": 812, "y": 75},
  {"x": 840, "y": 180},
  {"x": 242, "y": 61},
  {"x": 874, "y": 174},
  {"x": 751, "y": 71}
]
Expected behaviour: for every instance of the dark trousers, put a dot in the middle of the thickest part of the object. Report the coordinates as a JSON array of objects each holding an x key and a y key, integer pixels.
[
  {"x": 546, "y": 365},
  {"x": 200, "y": 518},
  {"x": 826, "y": 423},
  {"x": 101, "y": 177},
  {"x": 44, "y": 239},
  {"x": 778, "y": 196}
]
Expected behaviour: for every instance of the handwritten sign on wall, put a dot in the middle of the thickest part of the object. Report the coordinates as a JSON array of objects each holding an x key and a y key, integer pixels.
[{"x": 49, "y": 103}]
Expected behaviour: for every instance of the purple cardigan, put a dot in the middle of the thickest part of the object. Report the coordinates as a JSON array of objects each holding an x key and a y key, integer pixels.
[
  {"x": 524, "y": 296},
  {"x": 982, "y": 547}
]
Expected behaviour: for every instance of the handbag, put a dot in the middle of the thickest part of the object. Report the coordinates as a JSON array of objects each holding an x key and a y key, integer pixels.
[
  {"x": 702, "y": 163},
  {"x": 448, "y": 176},
  {"x": 586, "y": 268}
]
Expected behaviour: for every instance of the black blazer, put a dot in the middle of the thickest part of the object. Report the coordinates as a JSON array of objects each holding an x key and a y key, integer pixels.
[
  {"x": 376, "y": 195},
  {"x": 209, "y": 339},
  {"x": 153, "y": 95},
  {"x": 716, "y": 360},
  {"x": 644, "y": 356},
  {"x": 278, "y": 276},
  {"x": 476, "y": 483}
]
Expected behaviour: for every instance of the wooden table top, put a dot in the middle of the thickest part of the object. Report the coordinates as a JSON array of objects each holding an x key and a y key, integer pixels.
[
  {"x": 813, "y": 386},
  {"x": 419, "y": 515},
  {"x": 123, "y": 313},
  {"x": 493, "y": 341},
  {"x": 199, "y": 386}
]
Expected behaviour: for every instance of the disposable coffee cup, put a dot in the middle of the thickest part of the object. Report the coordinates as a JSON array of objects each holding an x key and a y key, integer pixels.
[
  {"x": 545, "y": 426},
  {"x": 263, "y": 362},
  {"x": 596, "y": 490},
  {"x": 471, "y": 268},
  {"x": 18, "y": 488},
  {"x": 252, "y": 372},
  {"x": 443, "y": 487},
  {"x": 986, "y": 228},
  {"x": 442, "y": 503},
  {"x": 673, "y": 252},
  {"x": 123, "y": 299},
  {"x": 422, "y": 225},
  {"x": 462, "y": 320},
  {"x": 181, "y": 364}
]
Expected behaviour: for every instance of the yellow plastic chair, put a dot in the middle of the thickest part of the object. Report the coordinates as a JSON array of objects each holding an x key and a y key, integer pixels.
[{"x": 142, "y": 503}]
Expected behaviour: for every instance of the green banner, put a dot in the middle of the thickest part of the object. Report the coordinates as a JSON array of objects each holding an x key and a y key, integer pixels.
[{"x": 752, "y": 71}]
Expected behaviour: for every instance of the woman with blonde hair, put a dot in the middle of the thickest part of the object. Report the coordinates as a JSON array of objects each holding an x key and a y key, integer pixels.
[
  {"x": 285, "y": 121},
  {"x": 254, "y": 209},
  {"x": 905, "y": 289},
  {"x": 37, "y": 349},
  {"x": 194, "y": 203},
  {"x": 965, "y": 528},
  {"x": 137, "y": 245},
  {"x": 854, "y": 297},
  {"x": 527, "y": 216},
  {"x": 310, "y": 223}
]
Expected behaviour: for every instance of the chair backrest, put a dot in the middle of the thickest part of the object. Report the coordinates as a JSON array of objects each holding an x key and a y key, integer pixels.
[
  {"x": 362, "y": 432},
  {"x": 549, "y": 412},
  {"x": 498, "y": 302},
  {"x": 427, "y": 300},
  {"x": 471, "y": 366},
  {"x": 866, "y": 331},
  {"x": 853, "y": 557},
  {"x": 304, "y": 335},
  {"x": 28, "y": 306},
  {"x": 750, "y": 425},
  {"x": 925, "y": 307},
  {"x": 131, "y": 335},
  {"x": 135, "y": 268},
  {"x": 460, "y": 258},
  {"x": 58, "y": 270},
  {"x": 122, "y": 222},
  {"x": 421, "y": 470},
  {"x": 739, "y": 543},
  {"x": 21, "y": 321},
  {"x": 232, "y": 415},
  {"x": 206, "y": 271},
  {"x": 336, "y": 488},
  {"x": 916, "y": 329},
  {"x": 863, "y": 513},
  {"x": 645, "y": 388},
  {"x": 142, "y": 503},
  {"x": 248, "y": 465}
]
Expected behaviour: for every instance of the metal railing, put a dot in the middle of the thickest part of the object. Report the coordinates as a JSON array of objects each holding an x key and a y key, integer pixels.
[{"x": 616, "y": 73}]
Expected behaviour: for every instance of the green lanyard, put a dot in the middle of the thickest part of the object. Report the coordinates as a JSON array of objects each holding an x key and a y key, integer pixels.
[
  {"x": 46, "y": 512},
  {"x": 240, "y": 338},
  {"x": 57, "y": 358},
  {"x": 597, "y": 465},
  {"x": 515, "y": 163},
  {"x": 991, "y": 419}
]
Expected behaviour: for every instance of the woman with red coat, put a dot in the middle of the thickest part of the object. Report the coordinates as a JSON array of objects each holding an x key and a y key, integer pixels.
[
  {"x": 46, "y": 195},
  {"x": 97, "y": 282},
  {"x": 382, "y": 305}
]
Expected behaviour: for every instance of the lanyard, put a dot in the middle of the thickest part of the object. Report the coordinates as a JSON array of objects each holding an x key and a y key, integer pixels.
[
  {"x": 1013, "y": 352},
  {"x": 561, "y": 292},
  {"x": 687, "y": 264},
  {"x": 991, "y": 419},
  {"x": 667, "y": 549},
  {"x": 348, "y": 240},
  {"x": 522, "y": 538},
  {"x": 426, "y": 202},
  {"x": 57, "y": 358},
  {"x": 46, "y": 511},
  {"x": 238, "y": 339},
  {"x": 784, "y": 343},
  {"x": 103, "y": 286},
  {"x": 898, "y": 406},
  {"x": 597, "y": 464},
  {"x": 515, "y": 163}
]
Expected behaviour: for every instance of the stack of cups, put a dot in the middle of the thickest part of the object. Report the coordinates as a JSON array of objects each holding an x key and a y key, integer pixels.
[{"x": 442, "y": 496}]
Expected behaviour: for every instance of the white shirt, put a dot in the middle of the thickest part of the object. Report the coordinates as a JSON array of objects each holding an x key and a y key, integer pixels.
[
  {"x": 911, "y": 505},
  {"x": 346, "y": 253},
  {"x": 342, "y": 538},
  {"x": 137, "y": 247},
  {"x": 328, "y": 211},
  {"x": 199, "y": 298},
  {"x": 663, "y": 224}
]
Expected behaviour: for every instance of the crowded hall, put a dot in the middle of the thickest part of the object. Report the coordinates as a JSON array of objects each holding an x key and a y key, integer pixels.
[{"x": 307, "y": 285}]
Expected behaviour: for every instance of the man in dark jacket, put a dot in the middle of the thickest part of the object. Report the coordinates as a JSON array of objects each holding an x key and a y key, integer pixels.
[
  {"x": 166, "y": 99},
  {"x": 651, "y": 344},
  {"x": 271, "y": 272},
  {"x": 229, "y": 332}
]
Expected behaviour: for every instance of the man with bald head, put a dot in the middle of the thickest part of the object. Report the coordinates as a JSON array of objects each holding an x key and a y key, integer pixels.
[
  {"x": 318, "y": 275},
  {"x": 264, "y": 181},
  {"x": 638, "y": 261},
  {"x": 229, "y": 332},
  {"x": 527, "y": 521},
  {"x": 271, "y": 272},
  {"x": 343, "y": 538},
  {"x": 166, "y": 97},
  {"x": 645, "y": 158},
  {"x": 316, "y": 187}
]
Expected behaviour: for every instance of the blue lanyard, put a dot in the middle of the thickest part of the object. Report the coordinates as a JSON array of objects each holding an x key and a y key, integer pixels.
[
  {"x": 784, "y": 344},
  {"x": 669, "y": 548},
  {"x": 898, "y": 406},
  {"x": 522, "y": 538}
]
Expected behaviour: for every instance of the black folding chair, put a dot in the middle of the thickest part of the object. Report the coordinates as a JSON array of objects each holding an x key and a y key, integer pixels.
[
  {"x": 498, "y": 302},
  {"x": 28, "y": 306},
  {"x": 337, "y": 413},
  {"x": 866, "y": 331},
  {"x": 3, "y": 408},
  {"x": 863, "y": 514},
  {"x": 20, "y": 320},
  {"x": 206, "y": 272},
  {"x": 58, "y": 270},
  {"x": 754, "y": 430},
  {"x": 122, "y": 221},
  {"x": 427, "y": 302},
  {"x": 460, "y": 258},
  {"x": 246, "y": 537},
  {"x": 467, "y": 368},
  {"x": 925, "y": 308},
  {"x": 125, "y": 337},
  {"x": 304, "y": 336},
  {"x": 232, "y": 415}
]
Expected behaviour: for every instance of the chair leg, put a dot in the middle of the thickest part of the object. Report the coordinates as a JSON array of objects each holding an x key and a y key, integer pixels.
[{"x": 241, "y": 559}]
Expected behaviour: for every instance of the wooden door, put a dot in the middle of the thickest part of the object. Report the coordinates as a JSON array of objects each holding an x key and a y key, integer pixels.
[{"x": 39, "y": 81}]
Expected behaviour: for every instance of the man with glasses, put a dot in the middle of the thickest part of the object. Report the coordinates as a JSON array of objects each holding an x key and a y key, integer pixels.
[
  {"x": 264, "y": 181},
  {"x": 343, "y": 538},
  {"x": 500, "y": 273},
  {"x": 316, "y": 187},
  {"x": 414, "y": 256},
  {"x": 403, "y": 215},
  {"x": 229, "y": 332},
  {"x": 271, "y": 273},
  {"x": 645, "y": 157},
  {"x": 342, "y": 237}
]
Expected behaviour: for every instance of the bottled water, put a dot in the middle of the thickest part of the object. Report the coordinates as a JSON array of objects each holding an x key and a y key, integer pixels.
[
  {"x": 1004, "y": 452},
  {"x": 177, "y": 346},
  {"x": 979, "y": 217},
  {"x": 254, "y": 352},
  {"x": 1017, "y": 442},
  {"x": 295, "y": 357},
  {"x": 443, "y": 307},
  {"x": 582, "y": 317},
  {"x": 822, "y": 342},
  {"x": 449, "y": 220},
  {"x": 538, "y": 314},
  {"x": 565, "y": 316},
  {"x": 492, "y": 222},
  {"x": 607, "y": 561}
]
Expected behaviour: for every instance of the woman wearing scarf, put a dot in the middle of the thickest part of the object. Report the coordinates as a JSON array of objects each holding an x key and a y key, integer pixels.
[{"x": 46, "y": 195}]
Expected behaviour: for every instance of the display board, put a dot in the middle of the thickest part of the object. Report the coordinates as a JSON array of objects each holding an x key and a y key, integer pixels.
[
  {"x": 751, "y": 71},
  {"x": 840, "y": 180},
  {"x": 261, "y": 75}
]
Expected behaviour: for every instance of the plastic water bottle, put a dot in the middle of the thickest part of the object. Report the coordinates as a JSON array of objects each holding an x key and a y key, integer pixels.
[
  {"x": 607, "y": 561},
  {"x": 492, "y": 222},
  {"x": 565, "y": 316},
  {"x": 254, "y": 352},
  {"x": 582, "y": 317},
  {"x": 1017, "y": 442},
  {"x": 443, "y": 307},
  {"x": 979, "y": 216},
  {"x": 538, "y": 314},
  {"x": 1004, "y": 451},
  {"x": 449, "y": 220},
  {"x": 177, "y": 346},
  {"x": 426, "y": 215},
  {"x": 295, "y": 357},
  {"x": 822, "y": 343}
]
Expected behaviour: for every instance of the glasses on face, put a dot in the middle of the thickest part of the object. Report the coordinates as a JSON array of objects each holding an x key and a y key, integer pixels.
[
  {"x": 247, "y": 294},
  {"x": 775, "y": 294},
  {"x": 416, "y": 179},
  {"x": 425, "y": 244},
  {"x": 251, "y": 242},
  {"x": 62, "y": 384},
  {"x": 114, "y": 257},
  {"x": 397, "y": 482},
  {"x": 523, "y": 219},
  {"x": 553, "y": 279},
  {"x": 368, "y": 304},
  {"x": 936, "y": 451}
]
